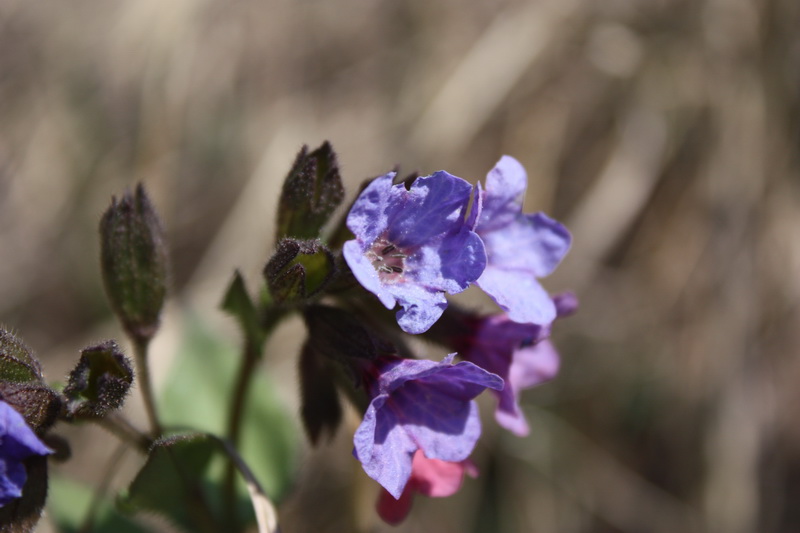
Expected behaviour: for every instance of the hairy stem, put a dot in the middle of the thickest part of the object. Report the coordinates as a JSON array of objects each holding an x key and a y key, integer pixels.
[
  {"x": 122, "y": 428},
  {"x": 140, "y": 349}
]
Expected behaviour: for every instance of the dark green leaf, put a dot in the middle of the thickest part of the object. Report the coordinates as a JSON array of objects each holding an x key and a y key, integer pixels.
[
  {"x": 173, "y": 483},
  {"x": 69, "y": 503},
  {"x": 321, "y": 410},
  {"x": 237, "y": 302},
  {"x": 197, "y": 394}
]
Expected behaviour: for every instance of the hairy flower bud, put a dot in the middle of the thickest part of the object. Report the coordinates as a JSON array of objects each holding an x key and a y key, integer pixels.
[
  {"x": 99, "y": 382},
  {"x": 299, "y": 270},
  {"x": 22, "y": 384},
  {"x": 134, "y": 262},
  {"x": 311, "y": 192}
]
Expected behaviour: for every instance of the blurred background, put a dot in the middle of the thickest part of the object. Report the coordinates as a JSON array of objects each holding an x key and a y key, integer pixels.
[{"x": 663, "y": 133}]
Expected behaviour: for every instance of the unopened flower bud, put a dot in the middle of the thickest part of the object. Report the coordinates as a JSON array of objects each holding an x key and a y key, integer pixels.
[
  {"x": 134, "y": 262},
  {"x": 311, "y": 192},
  {"x": 99, "y": 382}
]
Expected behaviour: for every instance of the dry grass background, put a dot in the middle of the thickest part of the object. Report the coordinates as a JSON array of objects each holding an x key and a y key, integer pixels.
[{"x": 665, "y": 133}]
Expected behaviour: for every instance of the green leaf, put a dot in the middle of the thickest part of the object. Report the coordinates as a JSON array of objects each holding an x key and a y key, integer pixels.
[
  {"x": 68, "y": 504},
  {"x": 197, "y": 395},
  {"x": 238, "y": 303},
  {"x": 173, "y": 483}
]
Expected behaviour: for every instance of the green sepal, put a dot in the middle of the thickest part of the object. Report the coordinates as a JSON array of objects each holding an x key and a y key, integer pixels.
[
  {"x": 238, "y": 303},
  {"x": 311, "y": 192},
  {"x": 17, "y": 362},
  {"x": 299, "y": 270},
  {"x": 320, "y": 410},
  {"x": 99, "y": 382},
  {"x": 134, "y": 262}
]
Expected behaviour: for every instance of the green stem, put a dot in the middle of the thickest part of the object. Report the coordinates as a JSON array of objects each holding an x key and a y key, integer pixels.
[
  {"x": 235, "y": 418},
  {"x": 100, "y": 492},
  {"x": 250, "y": 358},
  {"x": 140, "y": 349},
  {"x": 126, "y": 432}
]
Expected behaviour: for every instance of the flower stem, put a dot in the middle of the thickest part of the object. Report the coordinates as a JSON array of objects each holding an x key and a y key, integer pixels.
[
  {"x": 141, "y": 345},
  {"x": 126, "y": 432},
  {"x": 235, "y": 418},
  {"x": 250, "y": 357}
]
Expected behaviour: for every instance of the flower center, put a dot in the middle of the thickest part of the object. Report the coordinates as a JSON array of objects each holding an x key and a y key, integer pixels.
[{"x": 388, "y": 260}]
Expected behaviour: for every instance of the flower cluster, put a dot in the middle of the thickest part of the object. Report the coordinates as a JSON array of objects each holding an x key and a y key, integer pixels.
[
  {"x": 410, "y": 244},
  {"x": 412, "y": 247}
]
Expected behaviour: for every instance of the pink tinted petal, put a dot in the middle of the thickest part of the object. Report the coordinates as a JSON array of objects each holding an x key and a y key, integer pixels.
[
  {"x": 393, "y": 511},
  {"x": 566, "y": 304},
  {"x": 437, "y": 478},
  {"x": 530, "y": 366},
  {"x": 533, "y": 365}
]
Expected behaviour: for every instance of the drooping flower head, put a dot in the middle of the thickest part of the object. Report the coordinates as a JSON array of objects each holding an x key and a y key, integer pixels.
[
  {"x": 430, "y": 477},
  {"x": 521, "y": 354},
  {"x": 413, "y": 245},
  {"x": 419, "y": 405},
  {"x": 520, "y": 247},
  {"x": 17, "y": 443}
]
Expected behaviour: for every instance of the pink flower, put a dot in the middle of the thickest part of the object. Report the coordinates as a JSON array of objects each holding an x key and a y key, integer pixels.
[{"x": 430, "y": 477}]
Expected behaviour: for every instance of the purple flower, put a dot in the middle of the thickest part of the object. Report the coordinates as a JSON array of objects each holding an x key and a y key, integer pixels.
[
  {"x": 419, "y": 405},
  {"x": 17, "y": 443},
  {"x": 520, "y": 247},
  {"x": 521, "y": 354},
  {"x": 413, "y": 246}
]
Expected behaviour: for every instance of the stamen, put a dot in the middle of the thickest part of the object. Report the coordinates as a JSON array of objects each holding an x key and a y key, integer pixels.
[
  {"x": 397, "y": 269},
  {"x": 388, "y": 249}
]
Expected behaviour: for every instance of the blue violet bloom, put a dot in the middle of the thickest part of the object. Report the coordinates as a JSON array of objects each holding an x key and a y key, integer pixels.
[
  {"x": 520, "y": 247},
  {"x": 418, "y": 405},
  {"x": 17, "y": 443},
  {"x": 414, "y": 245}
]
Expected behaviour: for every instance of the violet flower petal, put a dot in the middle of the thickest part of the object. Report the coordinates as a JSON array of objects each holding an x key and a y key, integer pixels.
[
  {"x": 420, "y": 405},
  {"x": 17, "y": 443}
]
